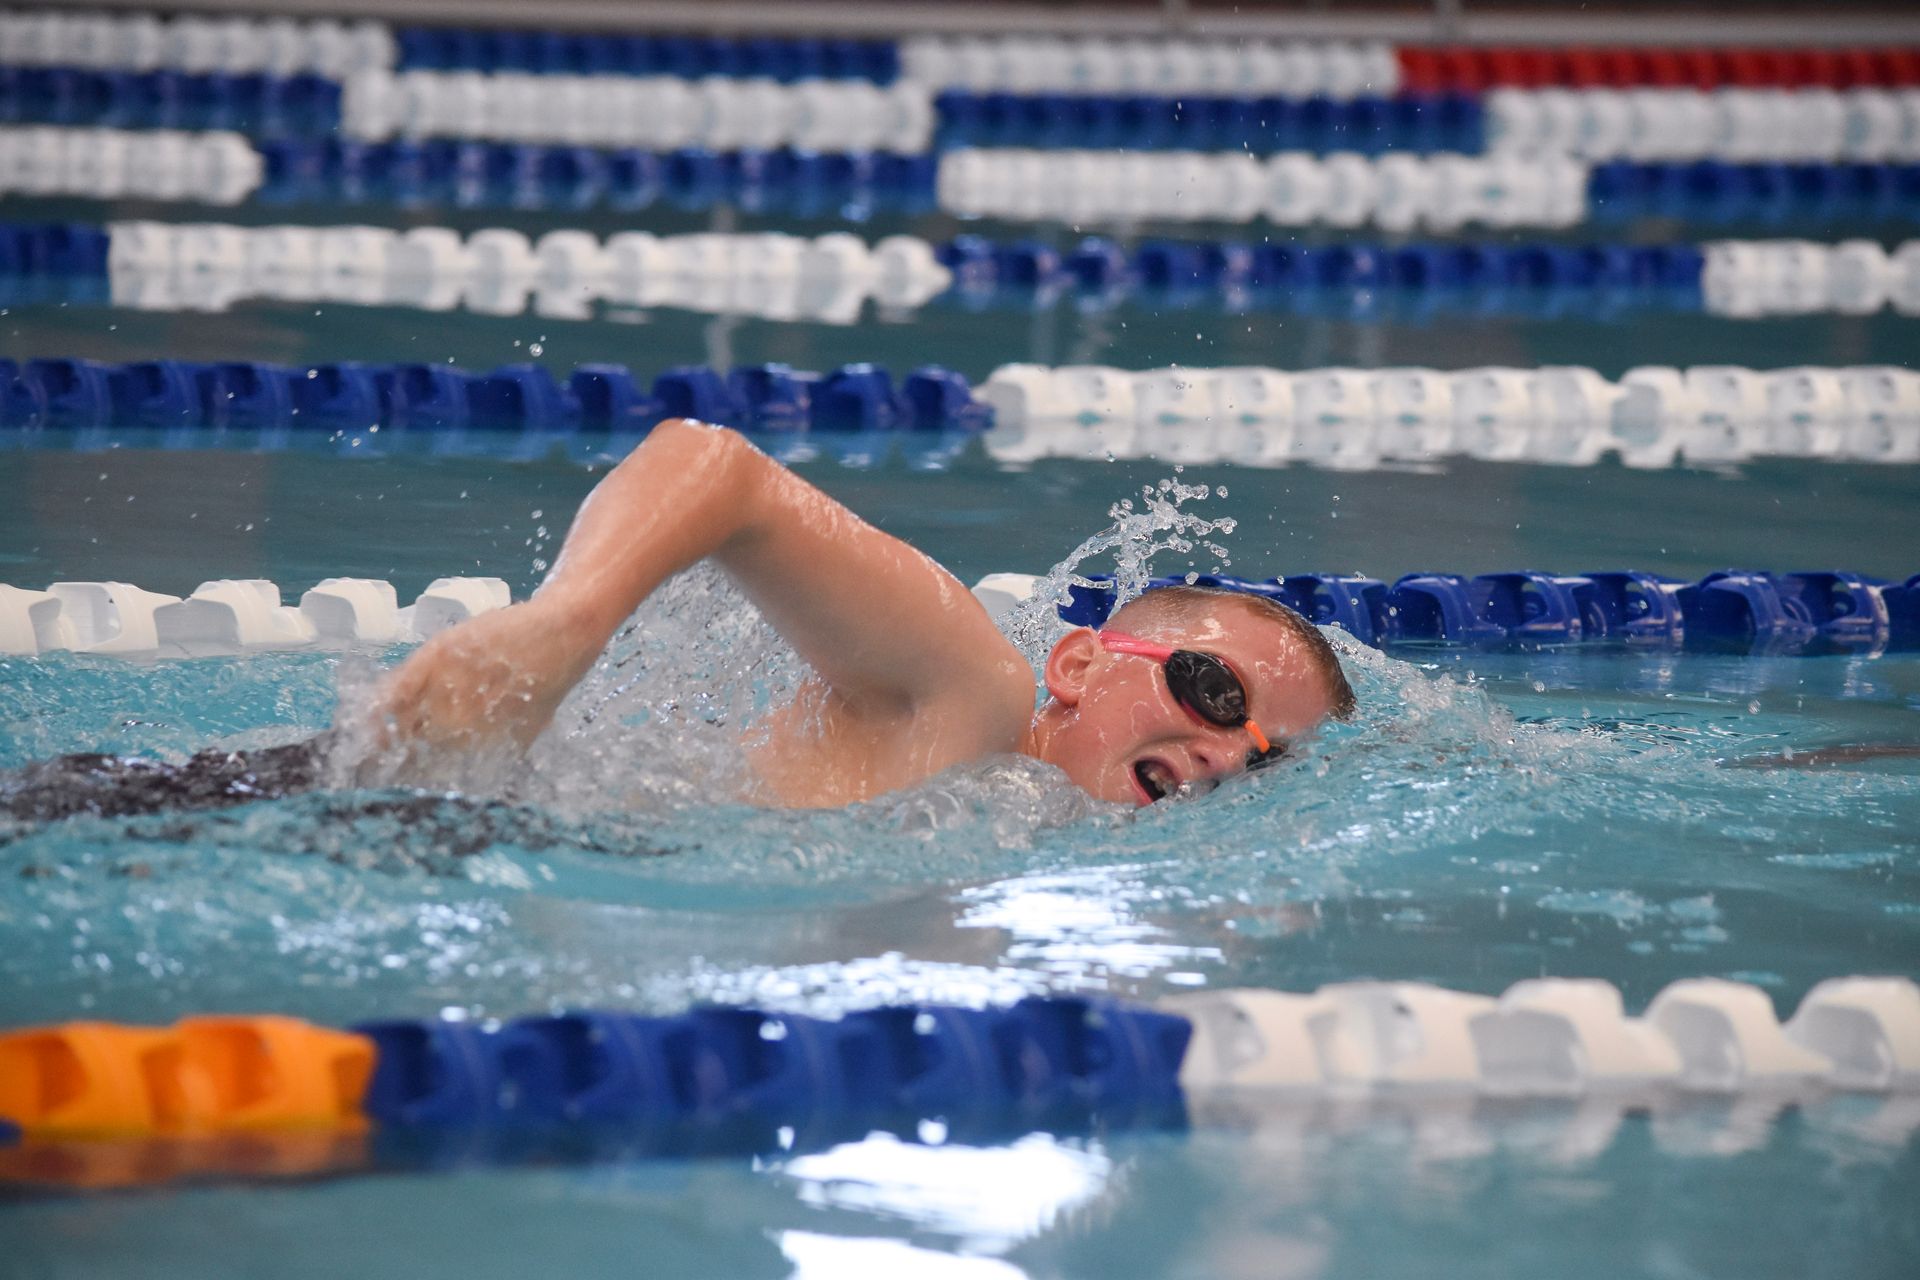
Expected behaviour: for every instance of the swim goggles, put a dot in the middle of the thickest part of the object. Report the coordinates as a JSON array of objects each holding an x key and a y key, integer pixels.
[{"x": 1204, "y": 685}]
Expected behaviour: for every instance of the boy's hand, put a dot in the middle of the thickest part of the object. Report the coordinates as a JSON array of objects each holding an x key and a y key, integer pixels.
[{"x": 495, "y": 678}]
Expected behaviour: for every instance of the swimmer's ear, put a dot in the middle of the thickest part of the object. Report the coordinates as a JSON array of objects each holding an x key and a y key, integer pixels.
[{"x": 1067, "y": 665}]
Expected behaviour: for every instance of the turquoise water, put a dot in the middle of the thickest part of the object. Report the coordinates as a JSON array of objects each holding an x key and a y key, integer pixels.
[
  {"x": 1490, "y": 817},
  {"x": 170, "y": 519}
]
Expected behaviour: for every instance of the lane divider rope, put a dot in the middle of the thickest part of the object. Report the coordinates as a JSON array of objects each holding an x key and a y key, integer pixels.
[
  {"x": 1022, "y": 63},
  {"x": 1289, "y": 189},
  {"x": 657, "y": 113},
  {"x": 298, "y": 105},
  {"x": 1476, "y": 67},
  {"x": 1651, "y": 416},
  {"x": 1543, "y": 1038},
  {"x": 235, "y": 45},
  {"x": 1740, "y": 125},
  {"x": 666, "y": 113},
  {"x": 785, "y": 59},
  {"x": 1400, "y": 191},
  {"x": 1651, "y": 124},
  {"x": 1333, "y": 69},
  {"x": 363, "y": 399},
  {"x": 1737, "y": 278},
  {"x": 498, "y": 270},
  {"x": 232, "y": 615},
  {"x": 1395, "y": 192},
  {"x": 1730, "y": 611},
  {"x": 1254, "y": 66},
  {"x": 1738, "y": 611},
  {"x": 1343, "y": 69},
  {"x": 222, "y": 167},
  {"x": 211, "y": 167},
  {"x": 211, "y": 266}
]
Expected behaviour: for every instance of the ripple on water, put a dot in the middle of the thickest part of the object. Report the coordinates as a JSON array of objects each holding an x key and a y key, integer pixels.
[{"x": 1539, "y": 815}]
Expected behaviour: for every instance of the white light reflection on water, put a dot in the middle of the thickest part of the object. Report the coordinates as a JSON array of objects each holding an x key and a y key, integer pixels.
[
  {"x": 820, "y": 1257},
  {"x": 985, "y": 1200},
  {"x": 1078, "y": 925}
]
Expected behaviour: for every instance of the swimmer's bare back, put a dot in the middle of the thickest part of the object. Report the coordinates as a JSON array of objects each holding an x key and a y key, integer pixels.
[{"x": 109, "y": 786}]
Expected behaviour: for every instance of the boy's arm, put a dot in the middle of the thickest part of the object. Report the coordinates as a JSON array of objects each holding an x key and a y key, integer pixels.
[{"x": 886, "y": 628}]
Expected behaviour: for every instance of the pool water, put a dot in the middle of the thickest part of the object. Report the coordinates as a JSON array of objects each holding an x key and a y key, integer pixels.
[{"x": 1489, "y": 817}]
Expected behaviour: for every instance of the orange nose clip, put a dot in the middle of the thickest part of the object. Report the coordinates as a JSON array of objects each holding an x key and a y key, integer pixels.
[{"x": 1259, "y": 738}]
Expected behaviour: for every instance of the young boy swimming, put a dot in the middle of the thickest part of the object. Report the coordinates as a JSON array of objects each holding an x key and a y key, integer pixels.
[{"x": 909, "y": 676}]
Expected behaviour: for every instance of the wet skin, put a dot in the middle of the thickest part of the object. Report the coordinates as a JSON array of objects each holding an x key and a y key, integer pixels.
[
  {"x": 910, "y": 674},
  {"x": 1114, "y": 727}
]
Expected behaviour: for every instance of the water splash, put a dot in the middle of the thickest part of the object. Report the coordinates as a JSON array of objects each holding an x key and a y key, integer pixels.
[
  {"x": 665, "y": 718},
  {"x": 1134, "y": 538}
]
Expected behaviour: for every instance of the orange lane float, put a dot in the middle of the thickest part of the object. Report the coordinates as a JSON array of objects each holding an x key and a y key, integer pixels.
[{"x": 217, "y": 1074}]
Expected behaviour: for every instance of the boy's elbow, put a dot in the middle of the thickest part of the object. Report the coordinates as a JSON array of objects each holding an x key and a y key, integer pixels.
[
  {"x": 694, "y": 429},
  {"x": 716, "y": 470},
  {"x": 692, "y": 443}
]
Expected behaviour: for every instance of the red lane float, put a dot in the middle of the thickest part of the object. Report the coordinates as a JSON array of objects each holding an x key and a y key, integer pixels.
[{"x": 1475, "y": 68}]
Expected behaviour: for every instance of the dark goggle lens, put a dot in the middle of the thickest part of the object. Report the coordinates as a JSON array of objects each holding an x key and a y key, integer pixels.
[{"x": 1204, "y": 684}]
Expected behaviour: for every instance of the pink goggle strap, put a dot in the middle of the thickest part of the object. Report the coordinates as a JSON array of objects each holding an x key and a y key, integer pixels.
[{"x": 1120, "y": 642}]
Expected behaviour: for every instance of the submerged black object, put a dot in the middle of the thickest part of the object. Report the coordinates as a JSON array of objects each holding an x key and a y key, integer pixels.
[{"x": 111, "y": 786}]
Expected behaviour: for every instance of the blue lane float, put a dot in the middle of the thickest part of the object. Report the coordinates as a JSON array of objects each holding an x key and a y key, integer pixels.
[
  {"x": 98, "y": 1108},
  {"x": 1521, "y": 279},
  {"x": 260, "y": 105},
  {"x": 787, "y": 59},
  {"x": 1731, "y": 611},
  {"x": 53, "y": 248},
  {"x": 1717, "y": 192},
  {"x": 1038, "y": 1057},
  {"x": 467, "y": 174},
  {"x": 71, "y": 394},
  {"x": 1424, "y": 124}
]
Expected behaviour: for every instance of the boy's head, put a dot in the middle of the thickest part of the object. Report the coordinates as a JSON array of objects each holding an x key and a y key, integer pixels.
[{"x": 1128, "y": 723}]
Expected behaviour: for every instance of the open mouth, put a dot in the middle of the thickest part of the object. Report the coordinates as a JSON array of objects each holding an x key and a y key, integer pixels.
[{"x": 1154, "y": 780}]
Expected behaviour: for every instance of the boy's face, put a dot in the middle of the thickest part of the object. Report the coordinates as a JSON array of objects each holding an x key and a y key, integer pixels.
[{"x": 1124, "y": 737}]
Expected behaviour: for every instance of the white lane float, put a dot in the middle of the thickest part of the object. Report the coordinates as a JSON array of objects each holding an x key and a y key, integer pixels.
[
  {"x": 232, "y": 616},
  {"x": 1559, "y": 415},
  {"x": 1396, "y": 192},
  {"x": 499, "y": 270},
  {"x": 1554, "y": 1038}
]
